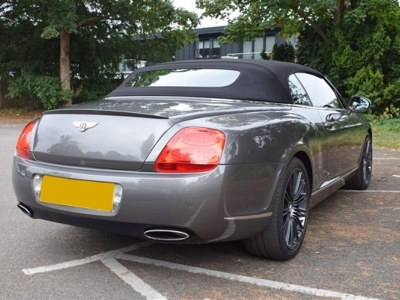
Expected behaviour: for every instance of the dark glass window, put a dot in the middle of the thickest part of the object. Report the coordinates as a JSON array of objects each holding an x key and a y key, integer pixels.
[
  {"x": 319, "y": 91},
  {"x": 299, "y": 95},
  {"x": 184, "y": 78},
  {"x": 208, "y": 48}
]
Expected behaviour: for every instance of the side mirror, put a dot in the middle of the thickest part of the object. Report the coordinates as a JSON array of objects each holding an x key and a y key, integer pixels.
[{"x": 359, "y": 104}]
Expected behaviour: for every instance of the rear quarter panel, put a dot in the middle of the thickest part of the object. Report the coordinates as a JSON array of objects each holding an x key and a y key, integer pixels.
[{"x": 259, "y": 144}]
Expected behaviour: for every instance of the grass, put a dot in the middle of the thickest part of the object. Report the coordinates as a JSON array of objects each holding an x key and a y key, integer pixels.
[{"x": 386, "y": 131}]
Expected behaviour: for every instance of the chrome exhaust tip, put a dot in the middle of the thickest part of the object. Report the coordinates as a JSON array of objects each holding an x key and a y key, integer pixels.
[
  {"x": 25, "y": 209},
  {"x": 166, "y": 235}
]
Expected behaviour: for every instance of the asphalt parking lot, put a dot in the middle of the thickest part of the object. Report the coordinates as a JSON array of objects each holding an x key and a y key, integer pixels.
[{"x": 351, "y": 251}]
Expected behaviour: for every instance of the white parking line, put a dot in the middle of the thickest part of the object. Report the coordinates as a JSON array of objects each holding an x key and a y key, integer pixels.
[
  {"x": 241, "y": 278},
  {"x": 86, "y": 260},
  {"x": 368, "y": 191},
  {"x": 135, "y": 282},
  {"x": 109, "y": 259}
]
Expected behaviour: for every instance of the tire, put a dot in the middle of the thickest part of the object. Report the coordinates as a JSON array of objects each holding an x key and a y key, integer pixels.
[
  {"x": 284, "y": 234},
  {"x": 361, "y": 179}
]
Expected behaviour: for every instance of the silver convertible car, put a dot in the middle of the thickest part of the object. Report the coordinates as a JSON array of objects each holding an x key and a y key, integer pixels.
[{"x": 197, "y": 152}]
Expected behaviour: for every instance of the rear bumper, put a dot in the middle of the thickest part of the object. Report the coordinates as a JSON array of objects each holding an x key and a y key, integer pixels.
[
  {"x": 228, "y": 203},
  {"x": 125, "y": 228}
]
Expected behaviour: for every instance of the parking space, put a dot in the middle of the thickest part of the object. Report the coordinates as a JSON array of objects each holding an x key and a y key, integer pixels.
[{"x": 351, "y": 251}]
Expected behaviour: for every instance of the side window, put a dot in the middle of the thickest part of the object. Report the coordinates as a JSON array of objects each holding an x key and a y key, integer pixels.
[
  {"x": 299, "y": 95},
  {"x": 320, "y": 92}
]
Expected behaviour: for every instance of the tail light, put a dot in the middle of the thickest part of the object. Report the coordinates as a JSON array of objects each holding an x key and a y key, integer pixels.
[
  {"x": 23, "y": 143},
  {"x": 193, "y": 149}
]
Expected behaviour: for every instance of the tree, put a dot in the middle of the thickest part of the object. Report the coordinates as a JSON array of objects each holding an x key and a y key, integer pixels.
[
  {"x": 284, "y": 52},
  {"x": 290, "y": 16},
  {"x": 93, "y": 37},
  {"x": 363, "y": 54},
  {"x": 356, "y": 42}
]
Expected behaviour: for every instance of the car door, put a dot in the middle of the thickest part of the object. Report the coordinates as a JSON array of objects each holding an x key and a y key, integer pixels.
[
  {"x": 304, "y": 107},
  {"x": 341, "y": 127}
]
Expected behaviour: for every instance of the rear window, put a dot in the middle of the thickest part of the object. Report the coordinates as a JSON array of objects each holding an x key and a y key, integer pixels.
[{"x": 184, "y": 78}]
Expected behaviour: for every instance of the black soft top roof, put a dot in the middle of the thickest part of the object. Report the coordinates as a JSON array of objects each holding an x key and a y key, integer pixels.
[{"x": 260, "y": 80}]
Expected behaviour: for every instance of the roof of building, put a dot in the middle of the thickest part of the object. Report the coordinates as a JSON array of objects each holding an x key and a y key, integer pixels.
[{"x": 260, "y": 80}]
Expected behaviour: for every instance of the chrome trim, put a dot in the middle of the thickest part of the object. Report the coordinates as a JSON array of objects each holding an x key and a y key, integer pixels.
[
  {"x": 336, "y": 179},
  {"x": 175, "y": 235},
  {"x": 329, "y": 187},
  {"x": 239, "y": 218}
]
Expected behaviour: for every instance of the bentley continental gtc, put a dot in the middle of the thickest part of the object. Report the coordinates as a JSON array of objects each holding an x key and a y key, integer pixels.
[{"x": 197, "y": 152}]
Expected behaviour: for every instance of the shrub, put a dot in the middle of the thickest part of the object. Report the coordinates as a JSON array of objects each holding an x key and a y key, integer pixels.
[{"x": 46, "y": 89}]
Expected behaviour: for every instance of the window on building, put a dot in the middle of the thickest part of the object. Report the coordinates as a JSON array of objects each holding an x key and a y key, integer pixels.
[
  {"x": 248, "y": 50},
  {"x": 208, "y": 48},
  {"x": 258, "y": 47},
  {"x": 253, "y": 49},
  {"x": 269, "y": 43}
]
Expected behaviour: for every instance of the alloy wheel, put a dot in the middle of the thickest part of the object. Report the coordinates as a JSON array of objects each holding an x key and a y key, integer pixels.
[{"x": 295, "y": 209}]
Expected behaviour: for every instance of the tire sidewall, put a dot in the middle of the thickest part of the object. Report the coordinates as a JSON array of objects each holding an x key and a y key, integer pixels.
[{"x": 364, "y": 156}]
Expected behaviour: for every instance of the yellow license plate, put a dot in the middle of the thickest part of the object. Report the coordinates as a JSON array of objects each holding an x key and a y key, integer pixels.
[{"x": 77, "y": 193}]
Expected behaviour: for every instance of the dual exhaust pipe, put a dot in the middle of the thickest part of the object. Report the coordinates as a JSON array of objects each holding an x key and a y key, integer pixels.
[
  {"x": 25, "y": 209},
  {"x": 161, "y": 235}
]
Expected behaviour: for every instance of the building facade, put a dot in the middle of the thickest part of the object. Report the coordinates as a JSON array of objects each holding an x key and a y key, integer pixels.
[{"x": 208, "y": 45}]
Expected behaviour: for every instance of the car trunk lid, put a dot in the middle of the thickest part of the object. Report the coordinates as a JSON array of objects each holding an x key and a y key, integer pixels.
[{"x": 112, "y": 134}]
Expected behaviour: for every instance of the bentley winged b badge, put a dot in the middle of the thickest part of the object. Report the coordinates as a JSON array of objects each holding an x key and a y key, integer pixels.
[{"x": 83, "y": 126}]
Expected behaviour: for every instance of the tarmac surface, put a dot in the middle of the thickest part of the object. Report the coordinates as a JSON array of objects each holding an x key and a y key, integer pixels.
[{"x": 351, "y": 251}]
